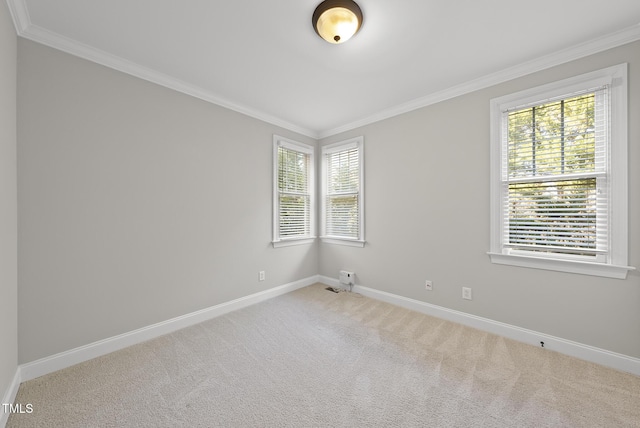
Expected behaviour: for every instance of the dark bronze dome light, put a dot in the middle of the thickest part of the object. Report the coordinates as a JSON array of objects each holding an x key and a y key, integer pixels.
[{"x": 337, "y": 21}]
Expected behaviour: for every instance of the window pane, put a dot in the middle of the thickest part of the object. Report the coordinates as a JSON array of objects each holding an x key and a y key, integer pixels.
[
  {"x": 292, "y": 171},
  {"x": 553, "y": 138},
  {"x": 343, "y": 171},
  {"x": 342, "y": 216},
  {"x": 559, "y": 215},
  {"x": 293, "y": 193},
  {"x": 295, "y": 215}
]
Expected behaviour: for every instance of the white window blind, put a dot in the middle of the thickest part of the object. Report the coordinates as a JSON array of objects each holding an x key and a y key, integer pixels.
[
  {"x": 293, "y": 190},
  {"x": 556, "y": 193},
  {"x": 342, "y": 191},
  {"x": 293, "y": 193},
  {"x": 342, "y": 194}
]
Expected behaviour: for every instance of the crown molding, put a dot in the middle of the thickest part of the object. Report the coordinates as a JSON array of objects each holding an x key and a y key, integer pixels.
[
  {"x": 609, "y": 41},
  {"x": 20, "y": 15},
  {"x": 27, "y": 30}
]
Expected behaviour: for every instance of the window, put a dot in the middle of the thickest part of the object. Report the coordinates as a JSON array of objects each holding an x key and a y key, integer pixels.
[
  {"x": 294, "y": 196},
  {"x": 342, "y": 193},
  {"x": 559, "y": 176}
]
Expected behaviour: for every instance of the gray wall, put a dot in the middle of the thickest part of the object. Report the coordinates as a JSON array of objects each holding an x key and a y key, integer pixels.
[
  {"x": 436, "y": 168},
  {"x": 8, "y": 203},
  {"x": 137, "y": 204}
]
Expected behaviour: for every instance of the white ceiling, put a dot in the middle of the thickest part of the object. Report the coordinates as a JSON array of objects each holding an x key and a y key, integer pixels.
[{"x": 264, "y": 59}]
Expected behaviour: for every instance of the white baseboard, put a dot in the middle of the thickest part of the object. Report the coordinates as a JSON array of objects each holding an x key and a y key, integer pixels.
[
  {"x": 584, "y": 352},
  {"x": 9, "y": 397},
  {"x": 66, "y": 359}
]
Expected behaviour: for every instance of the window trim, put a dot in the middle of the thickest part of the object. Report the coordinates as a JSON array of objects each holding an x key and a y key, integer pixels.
[
  {"x": 616, "y": 267},
  {"x": 332, "y": 148},
  {"x": 308, "y": 149}
]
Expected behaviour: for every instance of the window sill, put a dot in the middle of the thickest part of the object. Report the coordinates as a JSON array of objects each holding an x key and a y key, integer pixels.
[
  {"x": 341, "y": 241},
  {"x": 570, "y": 266},
  {"x": 291, "y": 242}
]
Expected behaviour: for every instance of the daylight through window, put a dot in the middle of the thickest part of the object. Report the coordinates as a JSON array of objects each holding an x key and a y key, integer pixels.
[
  {"x": 293, "y": 191},
  {"x": 557, "y": 196},
  {"x": 342, "y": 202}
]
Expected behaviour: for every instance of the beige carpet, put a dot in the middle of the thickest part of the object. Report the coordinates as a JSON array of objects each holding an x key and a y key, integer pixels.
[{"x": 314, "y": 358}]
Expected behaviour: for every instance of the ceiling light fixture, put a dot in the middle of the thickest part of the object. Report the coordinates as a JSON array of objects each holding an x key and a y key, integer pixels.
[{"x": 337, "y": 21}]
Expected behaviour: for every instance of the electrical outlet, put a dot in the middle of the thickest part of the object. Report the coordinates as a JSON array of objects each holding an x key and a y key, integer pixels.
[
  {"x": 428, "y": 285},
  {"x": 466, "y": 293},
  {"x": 261, "y": 275}
]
